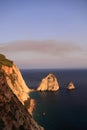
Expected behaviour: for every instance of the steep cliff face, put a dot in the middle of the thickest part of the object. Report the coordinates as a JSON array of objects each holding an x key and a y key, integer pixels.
[
  {"x": 16, "y": 82},
  {"x": 14, "y": 79},
  {"x": 49, "y": 83},
  {"x": 13, "y": 114}
]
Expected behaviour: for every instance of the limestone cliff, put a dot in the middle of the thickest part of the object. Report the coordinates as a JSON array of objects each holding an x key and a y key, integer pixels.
[
  {"x": 16, "y": 82},
  {"x": 13, "y": 114},
  {"x": 14, "y": 79},
  {"x": 49, "y": 83},
  {"x": 71, "y": 86}
]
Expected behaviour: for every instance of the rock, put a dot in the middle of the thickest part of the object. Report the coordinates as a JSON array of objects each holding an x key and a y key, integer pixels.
[
  {"x": 49, "y": 83},
  {"x": 13, "y": 114},
  {"x": 44, "y": 113},
  {"x": 15, "y": 104},
  {"x": 15, "y": 81},
  {"x": 71, "y": 86}
]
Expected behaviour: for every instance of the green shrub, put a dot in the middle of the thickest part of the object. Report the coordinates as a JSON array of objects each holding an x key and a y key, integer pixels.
[
  {"x": 0, "y": 65},
  {"x": 7, "y": 62},
  {"x": 2, "y": 57},
  {"x": 4, "y": 61}
]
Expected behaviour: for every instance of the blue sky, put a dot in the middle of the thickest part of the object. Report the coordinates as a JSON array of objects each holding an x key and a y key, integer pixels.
[{"x": 60, "y": 24}]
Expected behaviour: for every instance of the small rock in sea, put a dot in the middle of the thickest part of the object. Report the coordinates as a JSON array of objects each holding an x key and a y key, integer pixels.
[
  {"x": 71, "y": 86},
  {"x": 44, "y": 113}
]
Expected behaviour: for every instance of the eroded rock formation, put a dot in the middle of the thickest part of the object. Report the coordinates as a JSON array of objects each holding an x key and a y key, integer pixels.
[
  {"x": 71, "y": 86},
  {"x": 49, "y": 83}
]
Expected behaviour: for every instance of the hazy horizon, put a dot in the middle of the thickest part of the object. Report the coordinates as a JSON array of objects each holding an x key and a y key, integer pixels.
[{"x": 44, "y": 34}]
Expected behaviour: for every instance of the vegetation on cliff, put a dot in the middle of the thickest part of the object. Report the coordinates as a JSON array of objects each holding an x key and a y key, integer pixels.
[{"x": 5, "y": 61}]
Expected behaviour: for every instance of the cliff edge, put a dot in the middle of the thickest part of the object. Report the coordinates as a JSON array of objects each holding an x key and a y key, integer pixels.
[
  {"x": 14, "y": 99},
  {"x": 14, "y": 79}
]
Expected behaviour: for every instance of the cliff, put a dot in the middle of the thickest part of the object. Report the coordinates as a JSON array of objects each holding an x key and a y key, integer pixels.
[
  {"x": 49, "y": 83},
  {"x": 14, "y": 99},
  {"x": 13, "y": 115},
  {"x": 14, "y": 79}
]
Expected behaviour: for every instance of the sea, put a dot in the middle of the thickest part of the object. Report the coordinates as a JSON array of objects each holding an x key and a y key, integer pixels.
[{"x": 63, "y": 109}]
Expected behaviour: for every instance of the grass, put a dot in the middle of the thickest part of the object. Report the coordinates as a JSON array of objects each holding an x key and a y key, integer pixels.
[{"x": 4, "y": 61}]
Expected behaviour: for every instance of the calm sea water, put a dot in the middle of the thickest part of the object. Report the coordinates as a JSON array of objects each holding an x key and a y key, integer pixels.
[{"x": 61, "y": 110}]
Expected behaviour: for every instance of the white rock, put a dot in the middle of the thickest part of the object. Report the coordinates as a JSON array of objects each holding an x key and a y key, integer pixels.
[
  {"x": 49, "y": 83},
  {"x": 71, "y": 86}
]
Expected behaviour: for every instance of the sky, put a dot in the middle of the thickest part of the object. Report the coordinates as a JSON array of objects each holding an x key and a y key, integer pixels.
[{"x": 44, "y": 33}]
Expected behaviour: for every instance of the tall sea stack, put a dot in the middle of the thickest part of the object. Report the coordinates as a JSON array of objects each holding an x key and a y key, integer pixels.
[{"x": 49, "y": 83}]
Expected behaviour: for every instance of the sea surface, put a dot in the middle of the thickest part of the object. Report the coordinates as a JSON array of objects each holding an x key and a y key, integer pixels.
[{"x": 61, "y": 110}]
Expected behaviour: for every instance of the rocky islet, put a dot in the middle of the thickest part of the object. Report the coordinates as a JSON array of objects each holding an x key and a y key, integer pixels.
[
  {"x": 49, "y": 83},
  {"x": 71, "y": 86}
]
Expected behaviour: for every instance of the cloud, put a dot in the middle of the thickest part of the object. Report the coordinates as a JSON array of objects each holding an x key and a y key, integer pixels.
[
  {"x": 46, "y": 47},
  {"x": 45, "y": 54}
]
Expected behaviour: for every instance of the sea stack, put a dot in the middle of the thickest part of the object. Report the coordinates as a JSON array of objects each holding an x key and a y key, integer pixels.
[
  {"x": 71, "y": 86},
  {"x": 49, "y": 83}
]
